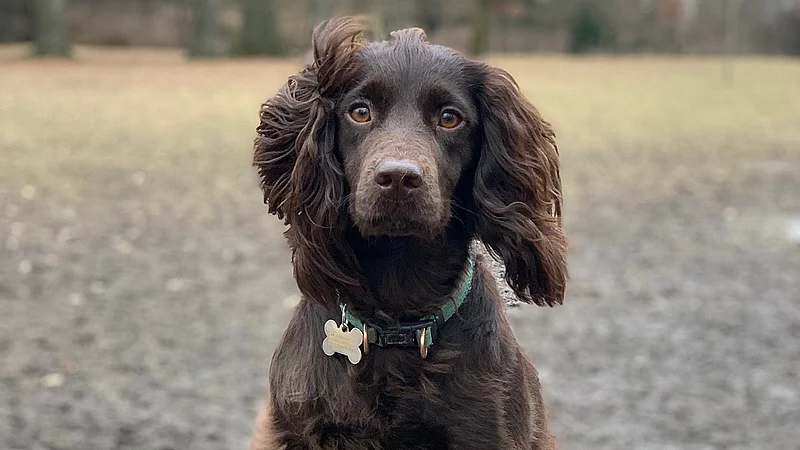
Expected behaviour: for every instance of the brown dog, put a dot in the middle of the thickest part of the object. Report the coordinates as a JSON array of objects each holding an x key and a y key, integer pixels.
[{"x": 386, "y": 161}]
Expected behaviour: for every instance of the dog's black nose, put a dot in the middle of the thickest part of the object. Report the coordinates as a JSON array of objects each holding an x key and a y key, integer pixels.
[{"x": 402, "y": 176}]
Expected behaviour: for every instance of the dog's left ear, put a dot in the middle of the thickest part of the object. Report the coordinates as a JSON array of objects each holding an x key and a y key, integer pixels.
[{"x": 517, "y": 191}]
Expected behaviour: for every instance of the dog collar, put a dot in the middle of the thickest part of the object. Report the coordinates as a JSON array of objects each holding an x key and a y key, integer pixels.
[{"x": 419, "y": 334}]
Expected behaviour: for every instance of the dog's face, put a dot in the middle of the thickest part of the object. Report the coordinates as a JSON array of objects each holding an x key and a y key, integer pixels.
[
  {"x": 407, "y": 133},
  {"x": 392, "y": 137}
]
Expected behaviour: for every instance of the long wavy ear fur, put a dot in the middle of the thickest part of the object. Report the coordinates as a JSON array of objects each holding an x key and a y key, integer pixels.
[
  {"x": 301, "y": 175},
  {"x": 517, "y": 191}
]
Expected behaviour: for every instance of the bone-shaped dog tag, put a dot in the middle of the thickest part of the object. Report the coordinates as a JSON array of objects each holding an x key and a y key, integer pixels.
[{"x": 340, "y": 340}]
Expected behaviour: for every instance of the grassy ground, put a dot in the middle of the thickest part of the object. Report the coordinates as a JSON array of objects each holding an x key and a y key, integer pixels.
[{"x": 143, "y": 287}]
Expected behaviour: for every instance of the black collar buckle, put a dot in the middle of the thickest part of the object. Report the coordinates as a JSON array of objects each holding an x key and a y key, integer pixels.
[{"x": 403, "y": 334}]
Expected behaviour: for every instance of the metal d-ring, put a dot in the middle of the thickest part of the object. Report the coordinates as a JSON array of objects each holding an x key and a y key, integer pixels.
[{"x": 423, "y": 349}]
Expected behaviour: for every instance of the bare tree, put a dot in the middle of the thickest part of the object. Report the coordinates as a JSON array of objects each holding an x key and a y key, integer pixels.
[
  {"x": 259, "y": 34},
  {"x": 377, "y": 13},
  {"x": 733, "y": 9},
  {"x": 50, "y": 27},
  {"x": 480, "y": 28},
  {"x": 321, "y": 11},
  {"x": 429, "y": 15},
  {"x": 206, "y": 29}
]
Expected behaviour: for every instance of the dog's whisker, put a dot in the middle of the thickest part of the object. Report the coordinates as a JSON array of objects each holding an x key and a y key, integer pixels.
[
  {"x": 456, "y": 203},
  {"x": 343, "y": 202}
]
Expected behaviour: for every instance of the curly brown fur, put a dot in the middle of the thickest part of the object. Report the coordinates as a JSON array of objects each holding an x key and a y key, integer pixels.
[
  {"x": 382, "y": 198},
  {"x": 518, "y": 192}
]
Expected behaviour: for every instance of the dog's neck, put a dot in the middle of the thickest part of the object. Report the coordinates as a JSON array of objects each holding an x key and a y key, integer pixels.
[{"x": 410, "y": 277}]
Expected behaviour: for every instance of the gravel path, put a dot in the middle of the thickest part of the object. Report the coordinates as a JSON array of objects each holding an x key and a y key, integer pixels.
[{"x": 141, "y": 311}]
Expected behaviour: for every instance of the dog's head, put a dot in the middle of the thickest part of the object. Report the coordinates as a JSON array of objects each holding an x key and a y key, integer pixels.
[
  {"x": 405, "y": 138},
  {"x": 407, "y": 133}
]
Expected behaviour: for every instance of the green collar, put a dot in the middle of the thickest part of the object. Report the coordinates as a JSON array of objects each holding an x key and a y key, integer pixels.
[{"x": 410, "y": 334}]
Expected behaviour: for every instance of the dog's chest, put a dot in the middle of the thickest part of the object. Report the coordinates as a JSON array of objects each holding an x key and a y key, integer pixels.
[{"x": 397, "y": 390}]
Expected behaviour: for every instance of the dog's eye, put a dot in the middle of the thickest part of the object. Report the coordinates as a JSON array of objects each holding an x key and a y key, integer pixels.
[
  {"x": 360, "y": 114},
  {"x": 449, "y": 120}
]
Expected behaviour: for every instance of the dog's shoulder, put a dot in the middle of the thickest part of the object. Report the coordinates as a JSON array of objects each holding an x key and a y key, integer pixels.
[{"x": 299, "y": 369}]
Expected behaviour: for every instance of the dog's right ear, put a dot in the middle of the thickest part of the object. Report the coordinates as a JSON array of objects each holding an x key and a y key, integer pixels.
[
  {"x": 295, "y": 125},
  {"x": 301, "y": 174}
]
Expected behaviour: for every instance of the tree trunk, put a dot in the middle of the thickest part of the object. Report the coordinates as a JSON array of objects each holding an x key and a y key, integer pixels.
[
  {"x": 429, "y": 15},
  {"x": 50, "y": 27},
  {"x": 382, "y": 24},
  {"x": 480, "y": 28},
  {"x": 206, "y": 29},
  {"x": 259, "y": 34},
  {"x": 321, "y": 11},
  {"x": 733, "y": 10},
  {"x": 375, "y": 12}
]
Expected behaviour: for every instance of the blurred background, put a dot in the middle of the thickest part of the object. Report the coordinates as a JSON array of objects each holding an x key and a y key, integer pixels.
[
  {"x": 143, "y": 287},
  {"x": 282, "y": 27}
]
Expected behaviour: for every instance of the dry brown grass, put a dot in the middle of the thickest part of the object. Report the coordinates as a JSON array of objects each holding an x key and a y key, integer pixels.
[
  {"x": 131, "y": 110},
  {"x": 141, "y": 283}
]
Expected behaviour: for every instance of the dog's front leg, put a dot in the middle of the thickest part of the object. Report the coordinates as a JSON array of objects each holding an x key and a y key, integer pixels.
[{"x": 267, "y": 437}]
